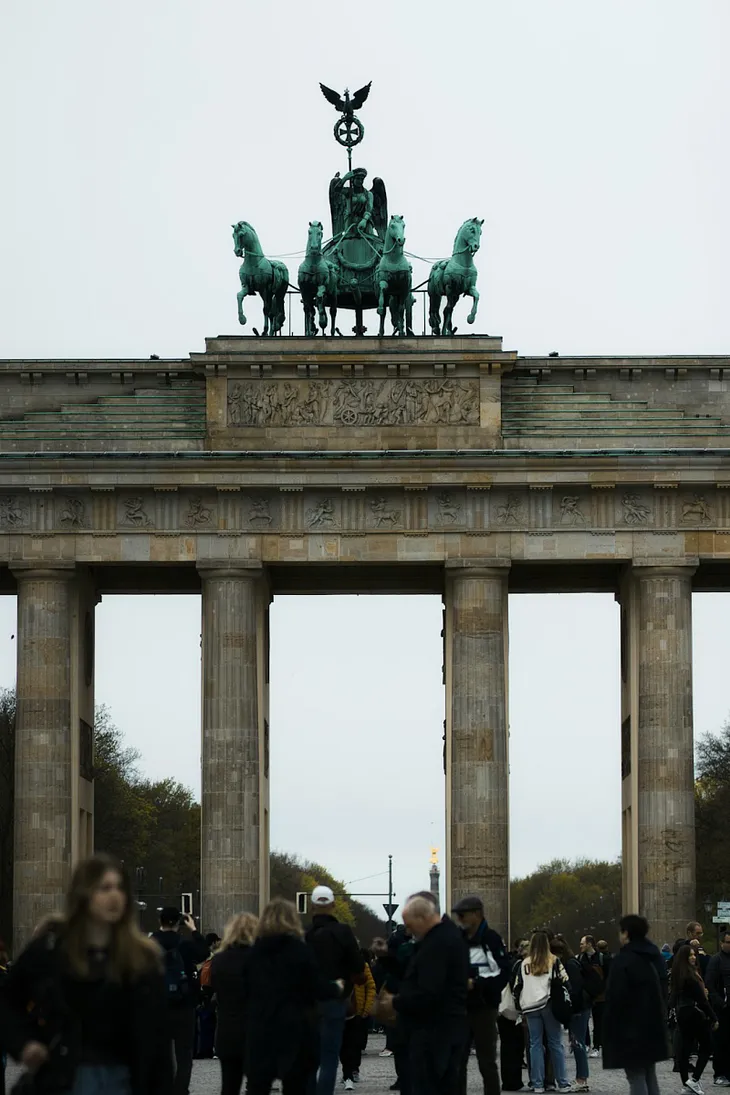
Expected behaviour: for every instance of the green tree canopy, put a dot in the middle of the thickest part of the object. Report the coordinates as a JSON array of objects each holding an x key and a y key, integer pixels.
[{"x": 574, "y": 898}]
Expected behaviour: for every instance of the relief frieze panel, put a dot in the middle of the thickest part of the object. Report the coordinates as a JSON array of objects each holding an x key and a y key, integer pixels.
[
  {"x": 358, "y": 509},
  {"x": 387, "y": 402}
]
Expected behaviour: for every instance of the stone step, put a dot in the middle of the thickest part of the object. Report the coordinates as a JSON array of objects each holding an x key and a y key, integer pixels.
[
  {"x": 626, "y": 416},
  {"x": 555, "y": 389},
  {"x": 589, "y": 409},
  {"x": 107, "y": 428},
  {"x": 636, "y": 431}
]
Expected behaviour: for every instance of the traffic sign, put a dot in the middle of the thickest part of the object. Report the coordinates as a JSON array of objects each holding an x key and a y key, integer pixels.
[
  {"x": 723, "y": 908},
  {"x": 721, "y": 920},
  {"x": 390, "y": 910}
]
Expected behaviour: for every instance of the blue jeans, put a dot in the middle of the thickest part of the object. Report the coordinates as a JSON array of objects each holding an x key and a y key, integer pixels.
[
  {"x": 102, "y": 1080},
  {"x": 537, "y": 1022},
  {"x": 331, "y": 1029},
  {"x": 578, "y": 1040}
]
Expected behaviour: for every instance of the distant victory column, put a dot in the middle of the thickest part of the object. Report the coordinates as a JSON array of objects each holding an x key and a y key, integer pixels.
[{"x": 435, "y": 874}]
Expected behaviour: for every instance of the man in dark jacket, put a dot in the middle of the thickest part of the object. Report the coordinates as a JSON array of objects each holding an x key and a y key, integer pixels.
[
  {"x": 339, "y": 959},
  {"x": 634, "y": 1020},
  {"x": 718, "y": 986},
  {"x": 432, "y": 999},
  {"x": 488, "y": 974},
  {"x": 183, "y": 949}
]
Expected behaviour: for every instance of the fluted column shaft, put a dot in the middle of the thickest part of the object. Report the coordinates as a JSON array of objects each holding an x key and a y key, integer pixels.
[
  {"x": 664, "y": 750},
  {"x": 231, "y": 766},
  {"x": 43, "y": 749},
  {"x": 477, "y": 748}
]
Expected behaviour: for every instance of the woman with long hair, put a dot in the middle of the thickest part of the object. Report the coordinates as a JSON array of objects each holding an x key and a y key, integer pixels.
[
  {"x": 228, "y": 982},
  {"x": 695, "y": 1018},
  {"x": 84, "y": 1006},
  {"x": 578, "y": 1028},
  {"x": 284, "y": 987},
  {"x": 532, "y": 996}
]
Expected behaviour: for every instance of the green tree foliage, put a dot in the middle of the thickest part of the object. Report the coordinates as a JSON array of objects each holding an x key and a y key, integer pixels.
[
  {"x": 569, "y": 897},
  {"x": 712, "y": 817},
  {"x": 289, "y": 876}
]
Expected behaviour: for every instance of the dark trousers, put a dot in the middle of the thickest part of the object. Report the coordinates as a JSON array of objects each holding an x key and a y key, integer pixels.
[
  {"x": 511, "y": 1053},
  {"x": 182, "y": 1028},
  {"x": 693, "y": 1032},
  {"x": 354, "y": 1040},
  {"x": 232, "y": 1069},
  {"x": 482, "y": 1033},
  {"x": 598, "y": 1010},
  {"x": 435, "y": 1059},
  {"x": 296, "y": 1082},
  {"x": 721, "y": 1045}
]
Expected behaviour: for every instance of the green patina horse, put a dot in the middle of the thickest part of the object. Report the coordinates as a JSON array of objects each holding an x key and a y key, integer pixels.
[
  {"x": 317, "y": 279},
  {"x": 455, "y": 277},
  {"x": 394, "y": 280},
  {"x": 267, "y": 277}
]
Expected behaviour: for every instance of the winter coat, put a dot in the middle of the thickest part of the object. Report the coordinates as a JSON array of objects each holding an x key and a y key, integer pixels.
[
  {"x": 634, "y": 1031},
  {"x": 692, "y": 995},
  {"x": 228, "y": 980},
  {"x": 335, "y": 948},
  {"x": 363, "y": 996},
  {"x": 532, "y": 990},
  {"x": 717, "y": 980},
  {"x": 193, "y": 950},
  {"x": 284, "y": 986},
  {"x": 33, "y": 1007},
  {"x": 433, "y": 991},
  {"x": 490, "y": 968}
]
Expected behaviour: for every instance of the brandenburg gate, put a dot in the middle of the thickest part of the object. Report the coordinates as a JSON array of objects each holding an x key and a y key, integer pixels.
[{"x": 444, "y": 465}]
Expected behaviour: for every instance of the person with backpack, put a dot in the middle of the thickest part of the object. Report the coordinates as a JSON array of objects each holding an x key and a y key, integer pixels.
[
  {"x": 581, "y": 1001},
  {"x": 183, "y": 949},
  {"x": 83, "y": 1006},
  {"x": 338, "y": 958},
  {"x": 488, "y": 974},
  {"x": 541, "y": 994}
]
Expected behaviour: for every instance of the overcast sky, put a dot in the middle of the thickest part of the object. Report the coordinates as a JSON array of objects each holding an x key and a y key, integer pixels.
[{"x": 591, "y": 136}]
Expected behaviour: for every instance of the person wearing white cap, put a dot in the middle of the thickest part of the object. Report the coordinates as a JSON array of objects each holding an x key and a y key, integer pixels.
[{"x": 339, "y": 959}]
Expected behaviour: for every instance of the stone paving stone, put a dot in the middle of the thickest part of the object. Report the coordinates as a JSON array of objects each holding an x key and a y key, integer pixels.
[{"x": 378, "y": 1074}]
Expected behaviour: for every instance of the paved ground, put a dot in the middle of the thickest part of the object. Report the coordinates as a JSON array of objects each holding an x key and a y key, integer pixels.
[{"x": 378, "y": 1074}]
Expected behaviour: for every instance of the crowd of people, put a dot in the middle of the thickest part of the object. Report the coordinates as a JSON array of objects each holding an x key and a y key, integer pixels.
[{"x": 92, "y": 1005}]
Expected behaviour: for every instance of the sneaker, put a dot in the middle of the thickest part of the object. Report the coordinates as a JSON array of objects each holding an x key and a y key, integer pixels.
[
  {"x": 578, "y": 1087},
  {"x": 594, "y": 1053},
  {"x": 386, "y": 1053},
  {"x": 694, "y": 1085},
  {"x": 539, "y": 1090},
  {"x": 348, "y": 1085}
]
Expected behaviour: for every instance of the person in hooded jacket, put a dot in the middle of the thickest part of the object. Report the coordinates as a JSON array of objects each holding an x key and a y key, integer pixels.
[
  {"x": 283, "y": 988},
  {"x": 634, "y": 1020},
  {"x": 578, "y": 1027},
  {"x": 83, "y": 1007},
  {"x": 228, "y": 981}
]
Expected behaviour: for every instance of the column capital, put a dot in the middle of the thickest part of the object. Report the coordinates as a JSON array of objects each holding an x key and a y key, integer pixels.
[
  {"x": 464, "y": 569},
  {"x": 38, "y": 572},
  {"x": 220, "y": 569},
  {"x": 665, "y": 570}
]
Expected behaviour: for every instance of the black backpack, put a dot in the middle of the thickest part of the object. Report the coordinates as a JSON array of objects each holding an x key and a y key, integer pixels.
[
  {"x": 176, "y": 979},
  {"x": 593, "y": 980}
]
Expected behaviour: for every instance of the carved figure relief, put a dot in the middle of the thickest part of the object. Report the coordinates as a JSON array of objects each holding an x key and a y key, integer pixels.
[
  {"x": 697, "y": 510},
  {"x": 570, "y": 511},
  {"x": 383, "y": 514},
  {"x": 322, "y": 515},
  {"x": 134, "y": 513},
  {"x": 389, "y": 402},
  {"x": 198, "y": 514},
  {"x": 636, "y": 512},
  {"x": 11, "y": 512},
  {"x": 73, "y": 514},
  {"x": 258, "y": 513},
  {"x": 449, "y": 509},
  {"x": 512, "y": 512}
]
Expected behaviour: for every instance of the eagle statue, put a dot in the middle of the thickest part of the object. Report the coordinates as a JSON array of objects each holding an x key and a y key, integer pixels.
[{"x": 350, "y": 103}]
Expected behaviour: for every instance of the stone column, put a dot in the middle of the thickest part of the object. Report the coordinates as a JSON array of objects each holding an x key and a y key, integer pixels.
[
  {"x": 664, "y": 749},
  {"x": 232, "y": 743},
  {"x": 43, "y": 748},
  {"x": 476, "y": 739}
]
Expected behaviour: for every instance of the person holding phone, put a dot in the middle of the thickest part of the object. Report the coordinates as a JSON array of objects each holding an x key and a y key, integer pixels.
[{"x": 183, "y": 949}]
